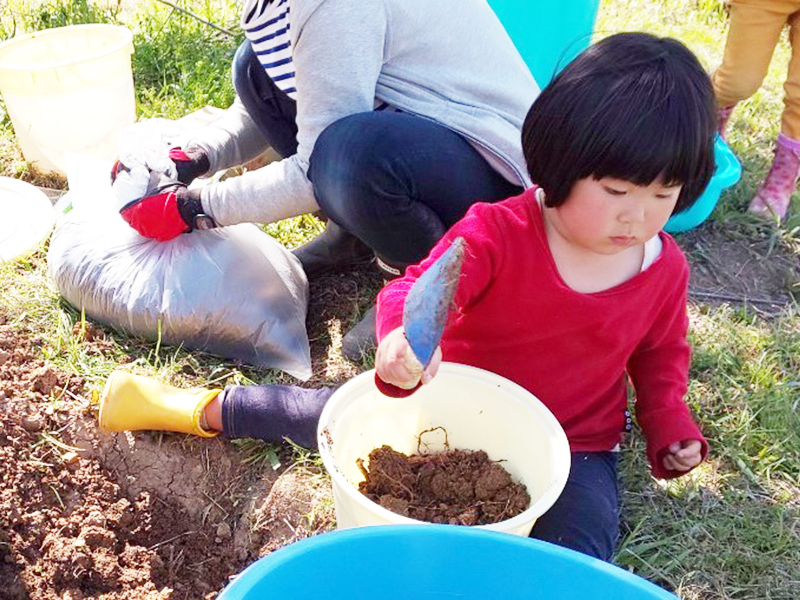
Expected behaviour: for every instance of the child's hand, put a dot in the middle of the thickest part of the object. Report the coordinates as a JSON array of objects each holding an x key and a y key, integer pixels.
[
  {"x": 395, "y": 362},
  {"x": 682, "y": 456}
]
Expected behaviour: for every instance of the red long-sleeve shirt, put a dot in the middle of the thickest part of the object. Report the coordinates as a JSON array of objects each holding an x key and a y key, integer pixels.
[{"x": 516, "y": 317}]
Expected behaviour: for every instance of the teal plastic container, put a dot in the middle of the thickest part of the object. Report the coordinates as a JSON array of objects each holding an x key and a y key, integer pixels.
[
  {"x": 434, "y": 562},
  {"x": 728, "y": 172},
  {"x": 550, "y": 34},
  {"x": 547, "y": 33}
]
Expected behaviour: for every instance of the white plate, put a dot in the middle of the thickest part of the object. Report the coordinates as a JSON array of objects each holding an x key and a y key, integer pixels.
[{"x": 26, "y": 218}]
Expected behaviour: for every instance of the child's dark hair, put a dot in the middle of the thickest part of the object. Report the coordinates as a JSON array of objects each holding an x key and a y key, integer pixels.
[{"x": 633, "y": 107}]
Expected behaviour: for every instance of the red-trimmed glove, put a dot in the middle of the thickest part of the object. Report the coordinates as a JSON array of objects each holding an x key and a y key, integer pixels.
[
  {"x": 167, "y": 210},
  {"x": 189, "y": 164}
]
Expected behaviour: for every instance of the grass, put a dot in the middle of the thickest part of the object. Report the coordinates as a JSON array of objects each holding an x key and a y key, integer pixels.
[
  {"x": 172, "y": 82},
  {"x": 730, "y": 530}
]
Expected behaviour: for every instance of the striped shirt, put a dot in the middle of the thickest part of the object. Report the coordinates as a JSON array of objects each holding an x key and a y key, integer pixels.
[{"x": 266, "y": 24}]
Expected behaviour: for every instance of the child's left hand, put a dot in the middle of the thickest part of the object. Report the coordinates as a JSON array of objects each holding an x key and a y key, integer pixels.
[{"x": 682, "y": 456}]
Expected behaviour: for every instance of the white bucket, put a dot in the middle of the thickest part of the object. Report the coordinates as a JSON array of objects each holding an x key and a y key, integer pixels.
[
  {"x": 479, "y": 411},
  {"x": 68, "y": 90}
]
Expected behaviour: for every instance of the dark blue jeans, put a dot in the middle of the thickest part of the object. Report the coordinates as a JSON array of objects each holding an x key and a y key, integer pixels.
[
  {"x": 395, "y": 180},
  {"x": 586, "y": 515},
  {"x": 270, "y": 108},
  {"x": 584, "y": 518}
]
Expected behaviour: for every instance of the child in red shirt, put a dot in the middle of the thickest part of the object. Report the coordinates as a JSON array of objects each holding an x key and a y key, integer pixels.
[
  {"x": 567, "y": 289},
  {"x": 571, "y": 289}
]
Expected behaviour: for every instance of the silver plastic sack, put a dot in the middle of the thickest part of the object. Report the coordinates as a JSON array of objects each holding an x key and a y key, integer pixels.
[{"x": 233, "y": 291}]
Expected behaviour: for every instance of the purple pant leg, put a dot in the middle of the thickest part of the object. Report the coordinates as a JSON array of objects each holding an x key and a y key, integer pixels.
[{"x": 273, "y": 412}]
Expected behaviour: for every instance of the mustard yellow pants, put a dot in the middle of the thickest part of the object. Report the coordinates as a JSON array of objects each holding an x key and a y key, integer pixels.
[{"x": 755, "y": 28}]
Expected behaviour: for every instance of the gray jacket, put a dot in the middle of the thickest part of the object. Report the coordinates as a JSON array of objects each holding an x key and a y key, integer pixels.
[{"x": 447, "y": 60}]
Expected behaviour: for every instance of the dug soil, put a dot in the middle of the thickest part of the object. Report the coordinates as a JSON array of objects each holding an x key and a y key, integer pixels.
[
  {"x": 146, "y": 516},
  {"x": 85, "y": 514},
  {"x": 458, "y": 487}
]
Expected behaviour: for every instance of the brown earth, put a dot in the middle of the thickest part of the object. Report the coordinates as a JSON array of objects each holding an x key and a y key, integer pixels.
[
  {"x": 456, "y": 487},
  {"x": 760, "y": 272},
  {"x": 87, "y": 514}
]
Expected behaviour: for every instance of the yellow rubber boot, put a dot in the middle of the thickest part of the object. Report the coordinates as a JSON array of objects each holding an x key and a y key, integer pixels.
[{"x": 132, "y": 402}]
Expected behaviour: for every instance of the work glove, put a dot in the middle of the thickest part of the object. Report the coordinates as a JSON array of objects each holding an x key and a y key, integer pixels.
[
  {"x": 183, "y": 165},
  {"x": 190, "y": 163},
  {"x": 158, "y": 206}
]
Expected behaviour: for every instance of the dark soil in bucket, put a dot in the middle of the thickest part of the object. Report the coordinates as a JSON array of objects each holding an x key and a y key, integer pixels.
[{"x": 458, "y": 487}]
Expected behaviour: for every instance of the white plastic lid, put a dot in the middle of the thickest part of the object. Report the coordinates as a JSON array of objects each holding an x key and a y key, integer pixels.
[{"x": 26, "y": 218}]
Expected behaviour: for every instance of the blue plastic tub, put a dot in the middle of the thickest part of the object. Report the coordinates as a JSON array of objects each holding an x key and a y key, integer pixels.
[
  {"x": 433, "y": 562},
  {"x": 728, "y": 171}
]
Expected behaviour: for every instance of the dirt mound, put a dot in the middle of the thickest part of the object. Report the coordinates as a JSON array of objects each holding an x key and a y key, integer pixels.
[
  {"x": 85, "y": 514},
  {"x": 459, "y": 487},
  {"x": 68, "y": 529},
  {"x": 298, "y": 505}
]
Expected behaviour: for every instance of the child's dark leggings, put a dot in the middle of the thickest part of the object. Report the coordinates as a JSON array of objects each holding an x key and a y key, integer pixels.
[{"x": 584, "y": 518}]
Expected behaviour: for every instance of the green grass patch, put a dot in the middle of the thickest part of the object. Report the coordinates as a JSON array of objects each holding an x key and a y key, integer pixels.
[{"x": 181, "y": 64}]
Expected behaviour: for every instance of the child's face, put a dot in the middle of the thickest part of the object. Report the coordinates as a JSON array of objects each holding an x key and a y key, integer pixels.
[{"x": 609, "y": 215}]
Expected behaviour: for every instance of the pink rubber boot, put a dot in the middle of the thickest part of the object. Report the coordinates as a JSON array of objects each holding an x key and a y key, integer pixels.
[
  {"x": 723, "y": 116},
  {"x": 772, "y": 199}
]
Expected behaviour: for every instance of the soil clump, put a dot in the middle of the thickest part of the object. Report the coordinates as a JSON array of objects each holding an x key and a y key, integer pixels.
[{"x": 457, "y": 487}]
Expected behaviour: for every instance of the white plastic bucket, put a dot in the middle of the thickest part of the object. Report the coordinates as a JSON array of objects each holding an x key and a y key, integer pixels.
[
  {"x": 68, "y": 90},
  {"x": 478, "y": 409}
]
